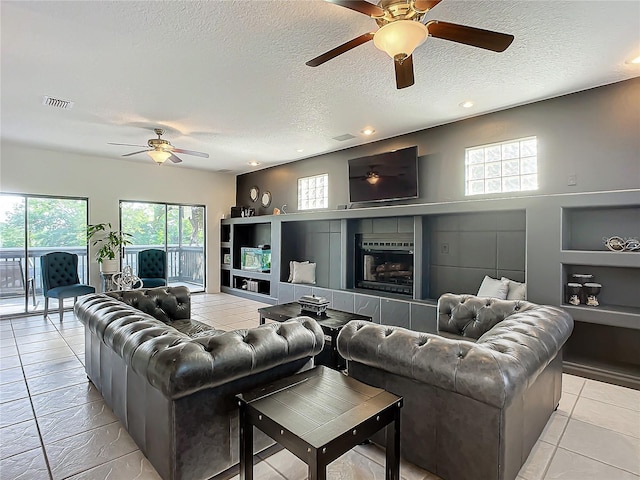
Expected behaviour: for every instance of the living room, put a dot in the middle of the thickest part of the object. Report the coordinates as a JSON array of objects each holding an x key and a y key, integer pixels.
[{"x": 588, "y": 167}]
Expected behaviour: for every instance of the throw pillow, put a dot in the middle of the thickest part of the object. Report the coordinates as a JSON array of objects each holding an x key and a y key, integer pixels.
[
  {"x": 304, "y": 273},
  {"x": 494, "y": 288},
  {"x": 517, "y": 290},
  {"x": 292, "y": 267}
]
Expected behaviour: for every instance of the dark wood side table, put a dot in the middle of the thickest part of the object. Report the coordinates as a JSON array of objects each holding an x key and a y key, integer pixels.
[
  {"x": 331, "y": 322},
  {"x": 319, "y": 415}
]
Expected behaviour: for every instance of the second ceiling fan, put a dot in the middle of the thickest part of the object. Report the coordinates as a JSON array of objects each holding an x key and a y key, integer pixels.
[{"x": 402, "y": 30}]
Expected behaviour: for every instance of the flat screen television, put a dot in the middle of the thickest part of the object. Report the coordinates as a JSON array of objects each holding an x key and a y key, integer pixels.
[{"x": 385, "y": 176}]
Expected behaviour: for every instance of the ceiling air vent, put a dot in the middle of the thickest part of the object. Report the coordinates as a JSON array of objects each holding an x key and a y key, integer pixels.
[
  {"x": 342, "y": 138},
  {"x": 56, "y": 102}
]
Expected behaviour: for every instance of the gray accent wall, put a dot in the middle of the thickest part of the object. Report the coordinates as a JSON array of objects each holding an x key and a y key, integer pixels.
[
  {"x": 466, "y": 247},
  {"x": 592, "y": 134}
]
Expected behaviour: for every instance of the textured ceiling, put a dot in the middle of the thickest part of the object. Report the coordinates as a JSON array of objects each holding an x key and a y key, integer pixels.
[{"x": 229, "y": 77}]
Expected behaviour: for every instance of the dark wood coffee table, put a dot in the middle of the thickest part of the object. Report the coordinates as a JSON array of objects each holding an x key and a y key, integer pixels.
[
  {"x": 331, "y": 322},
  {"x": 319, "y": 415}
]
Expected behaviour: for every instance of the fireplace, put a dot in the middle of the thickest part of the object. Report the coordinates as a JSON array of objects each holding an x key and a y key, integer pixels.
[{"x": 385, "y": 263}]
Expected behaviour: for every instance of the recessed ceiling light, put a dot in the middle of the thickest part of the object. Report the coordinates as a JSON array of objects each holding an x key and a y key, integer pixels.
[
  {"x": 253, "y": 163},
  {"x": 300, "y": 150},
  {"x": 467, "y": 104},
  {"x": 368, "y": 131},
  {"x": 635, "y": 61}
]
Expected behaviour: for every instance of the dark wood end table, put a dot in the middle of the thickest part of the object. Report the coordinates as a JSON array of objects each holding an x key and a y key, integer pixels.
[
  {"x": 319, "y": 415},
  {"x": 331, "y": 322}
]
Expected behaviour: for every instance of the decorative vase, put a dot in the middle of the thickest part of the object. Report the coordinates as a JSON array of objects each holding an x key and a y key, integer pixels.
[
  {"x": 574, "y": 291},
  {"x": 592, "y": 290},
  {"x": 109, "y": 266}
]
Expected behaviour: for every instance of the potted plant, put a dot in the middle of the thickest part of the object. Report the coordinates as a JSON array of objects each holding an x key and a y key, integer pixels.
[{"x": 111, "y": 243}]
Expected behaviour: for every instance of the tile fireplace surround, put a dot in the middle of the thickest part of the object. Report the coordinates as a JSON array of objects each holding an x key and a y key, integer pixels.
[{"x": 54, "y": 425}]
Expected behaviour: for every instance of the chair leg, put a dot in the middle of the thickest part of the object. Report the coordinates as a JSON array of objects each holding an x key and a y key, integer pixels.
[
  {"x": 61, "y": 307},
  {"x": 33, "y": 291},
  {"x": 46, "y": 306}
]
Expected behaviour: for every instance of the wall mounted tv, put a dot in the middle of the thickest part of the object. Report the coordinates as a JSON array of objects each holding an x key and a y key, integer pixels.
[{"x": 385, "y": 176}]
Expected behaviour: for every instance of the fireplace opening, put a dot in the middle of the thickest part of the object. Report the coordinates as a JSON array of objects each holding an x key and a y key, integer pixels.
[{"x": 385, "y": 263}]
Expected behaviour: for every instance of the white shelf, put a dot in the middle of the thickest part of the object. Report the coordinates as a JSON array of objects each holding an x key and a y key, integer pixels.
[
  {"x": 251, "y": 274},
  {"x": 601, "y": 258},
  {"x": 615, "y": 316}
]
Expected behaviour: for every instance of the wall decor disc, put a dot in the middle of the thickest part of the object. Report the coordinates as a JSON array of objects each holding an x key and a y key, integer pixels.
[
  {"x": 254, "y": 193},
  {"x": 266, "y": 199}
]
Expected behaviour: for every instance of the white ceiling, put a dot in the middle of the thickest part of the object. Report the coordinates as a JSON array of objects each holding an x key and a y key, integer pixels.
[{"x": 229, "y": 77}]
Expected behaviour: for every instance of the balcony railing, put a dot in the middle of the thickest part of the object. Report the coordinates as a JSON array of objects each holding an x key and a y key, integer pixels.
[
  {"x": 31, "y": 264},
  {"x": 184, "y": 263}
]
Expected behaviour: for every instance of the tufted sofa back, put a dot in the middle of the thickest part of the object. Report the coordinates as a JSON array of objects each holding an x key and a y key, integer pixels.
[
  {"x": 59, "y": 269},
  {"x": 152, "y": 263},
  {"x": 166, "y": 304},
  {"x": 471, "y": 317}
]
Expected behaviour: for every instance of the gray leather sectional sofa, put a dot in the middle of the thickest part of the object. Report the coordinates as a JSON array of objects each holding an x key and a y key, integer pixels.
[
  {"x": 477, "y": 396},
  {"x": 172, "y": 381}
]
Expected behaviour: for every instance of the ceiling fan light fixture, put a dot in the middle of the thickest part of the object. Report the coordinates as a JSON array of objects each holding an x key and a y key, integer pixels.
[
  {"x": 372, "y": 178},
  {"x": 400, "y": 38},
  {"x": 159, "y": 156}
]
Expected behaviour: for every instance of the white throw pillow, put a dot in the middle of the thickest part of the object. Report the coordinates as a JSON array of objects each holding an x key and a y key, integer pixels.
[
  {"x": 517, "y": 290},
  {"x": 494, "y": 288},
  {"x": 304, "y": 273},
  {"x": 292, "y": 267}
]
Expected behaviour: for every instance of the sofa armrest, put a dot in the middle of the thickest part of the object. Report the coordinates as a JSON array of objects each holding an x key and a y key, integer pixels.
[
  {"x": 163, "y": 303},
  {"x": 179, "y": 368},
  {"x": 491, "y": 371}
]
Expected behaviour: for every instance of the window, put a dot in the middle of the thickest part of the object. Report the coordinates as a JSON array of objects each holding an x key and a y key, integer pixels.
[
  {"x": 179, "y": 230},
  {"x": 502, "y": 167},
  {"x": 313, "y": 192},
  {"x": 30, "y": 227}
]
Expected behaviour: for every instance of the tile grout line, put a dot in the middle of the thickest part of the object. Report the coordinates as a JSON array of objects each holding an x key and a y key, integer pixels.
[
  {"x": 599, "y": 461},
  {"x": 557, "y": 445},
  {"x": 33, "y": 410}
]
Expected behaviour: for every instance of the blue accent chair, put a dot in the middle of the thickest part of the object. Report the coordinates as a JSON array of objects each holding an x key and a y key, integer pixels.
[
  {"x": 152, "y": 268},
  {"x": 60, "y": 279}
]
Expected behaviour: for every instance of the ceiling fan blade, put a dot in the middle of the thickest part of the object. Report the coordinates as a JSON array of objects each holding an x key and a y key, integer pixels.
[
  {"x": 190, "y": 152},
  {"x": 345, "y": 47},
  {"x": 404, "y": 73},
  {"x": 127, "y": 144},
  {"x": 175, "y": 159},
  {"x": 360, "y": 6},
  {"x": 424, "y": 5},
  {"x": 135, "y": 153},
  {"x": 476, "y": 37}
]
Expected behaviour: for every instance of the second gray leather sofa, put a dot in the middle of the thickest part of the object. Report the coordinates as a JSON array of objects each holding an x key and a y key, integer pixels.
[{"x": 475, "y": 403}]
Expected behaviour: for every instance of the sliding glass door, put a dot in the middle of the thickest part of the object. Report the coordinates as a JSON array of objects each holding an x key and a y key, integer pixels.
[
  {"x": 177, "y": 229},
  {"x": 31, "y": 226}
]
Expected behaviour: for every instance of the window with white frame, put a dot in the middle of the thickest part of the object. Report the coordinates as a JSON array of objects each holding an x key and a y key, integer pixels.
[
  {"x": 502, "y": 167},
  {"x": 313, "y": 192}
]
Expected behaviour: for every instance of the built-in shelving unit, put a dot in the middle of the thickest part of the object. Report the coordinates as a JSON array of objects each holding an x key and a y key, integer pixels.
[
  {"x": 540, "y": 240},
  {"x": 604, "y": 334},
  {"x": 234, "y": 236}
]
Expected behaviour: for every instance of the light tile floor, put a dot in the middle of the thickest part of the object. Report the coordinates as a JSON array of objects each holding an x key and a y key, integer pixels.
[{"x": 55, "y": 425}]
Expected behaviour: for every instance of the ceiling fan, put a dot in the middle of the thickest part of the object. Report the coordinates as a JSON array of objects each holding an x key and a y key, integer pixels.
[
  {"x": 161, "y": 150},
  {"x": 402, "y": 30}
]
